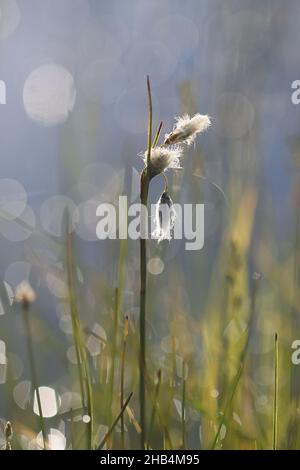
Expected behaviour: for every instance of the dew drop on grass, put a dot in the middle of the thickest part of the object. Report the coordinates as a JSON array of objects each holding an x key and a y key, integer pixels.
[
  {"x": 214, "y": 393},
  {"x": 155, "y": 266},
  {"x": 86, "y": 419},
  {"x": 222, "y": 432}
]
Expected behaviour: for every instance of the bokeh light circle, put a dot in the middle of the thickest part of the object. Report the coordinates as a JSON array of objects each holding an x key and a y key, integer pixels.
[
  {"x": 10, "y": 17},
  {"x": 49, "y": 94},
  {"x": 52, "y": 214},
  {"x": 13, "y": 198}
]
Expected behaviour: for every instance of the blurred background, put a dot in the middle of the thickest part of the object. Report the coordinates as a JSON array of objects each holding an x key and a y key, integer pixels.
[{"x": 74, "y": 122}]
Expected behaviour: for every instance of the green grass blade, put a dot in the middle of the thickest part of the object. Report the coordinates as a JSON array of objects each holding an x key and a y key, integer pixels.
[{"x": 115, "y": 422}]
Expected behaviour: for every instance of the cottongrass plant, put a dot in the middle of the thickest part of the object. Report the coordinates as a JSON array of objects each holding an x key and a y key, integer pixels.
[
  {"x": 186, "y": 129},
  {"x": 165, "y": 217},
  {"x": 25, "y": 296},
  {"x": 8, "y": 432},
  {"x": 159, "y": 159}
]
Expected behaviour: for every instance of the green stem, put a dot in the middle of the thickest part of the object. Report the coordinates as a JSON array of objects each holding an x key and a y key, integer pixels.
[
  {"x": 78, "y": 336},
  {"x": 34, "y": 372},
  {"x": 183, "y": 407},
  {"x": 113, "y": 356},
  {"x": 143, "y": 274},
  {"x": 117, "y": 314},
  {"x": 115, "y": 422},
  {"x": 125, "y": 336},
  {"x": 228, "y": 404},
  {"x": 155, "y": 405},
  {"x": 275, "y": 407},
  {"x": 157, "y": 135}
]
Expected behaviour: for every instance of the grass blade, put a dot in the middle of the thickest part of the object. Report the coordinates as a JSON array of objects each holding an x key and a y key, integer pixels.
[
  {"x": 227, "y": 406},
  {"x": 157, "y": 135},
  {"x": 275, "y": 405},
  {"x": 143, "y": 281},
  {"x": 183, "y": 407},
  {"x": 155, "y": 405},
  {"x": 33, "y": 370},
  {"x": 115, "y": 422},
  {"x": 125, "y": 336},
  {"x": 83, "y": 365}
]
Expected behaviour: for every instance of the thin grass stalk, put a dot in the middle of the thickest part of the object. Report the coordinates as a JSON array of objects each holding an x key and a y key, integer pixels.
[
  {"x": 113, "y": 356},
  {"x": 157, "y": 135},
  {"x": 117, "y": 314},
  {"x": 294, "y": 375},
  {"x": 34, "y": 371},
  {"x": 183, "y": 407},
  {"x": 125, "y": 336},
  {"x": 167, "y": 443},
  {"x": 228, "y": 404},
  {"x": 73, "y": 316},
  {"x": 108, "y": 434},
  {"x": 143, "y": 276},
  {"x": 161, "y": 421},
  {"x": 79, "y": 368},
  {"x": 155, "y": 406},
  {"x": 78, "y": 336},
  {"x": 275, "y": 405},
  {"x": 89, "y": 393},
  {"x": 72, "y": 434},
  {"x": 256, "y": 280},
  {"x": 173, "y": 378}
]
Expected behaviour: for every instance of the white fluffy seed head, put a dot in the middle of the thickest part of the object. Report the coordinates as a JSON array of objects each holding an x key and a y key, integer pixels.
[
  {"x": 163, "y": 158},
  {"x": 165, "y": 217},
  {"x": 25, "y": 294},
  {"x": 186, "y": 129}
]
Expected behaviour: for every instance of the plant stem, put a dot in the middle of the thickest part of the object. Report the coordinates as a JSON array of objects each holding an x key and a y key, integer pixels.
[
  {"x": 228, "y": 403},
  {"x": 115, "y": 422},
  {"x": 125, "y": 336},
  {"x": 117, "y": 314},
  {"x": 143, "y": 274},
  {"x": 33, "y": 371},
  {"x": 157, "y": 135},
  {"x": 183, "y": 407},
  {"x": 113, "y": 356},
  {"x": 275, "y": 407},
  {"x": 155, "y": 405},
  {"x": 78, "y": 335}
]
